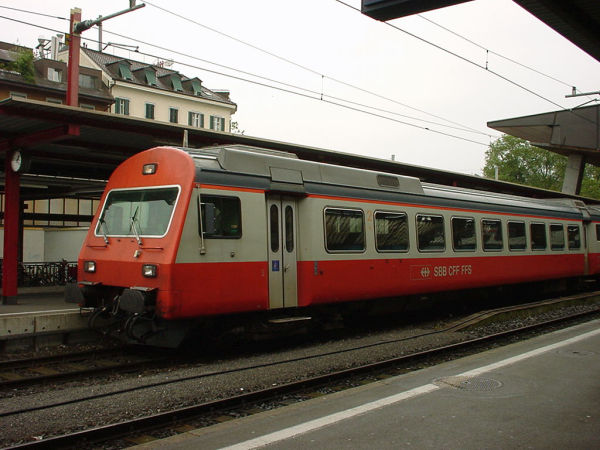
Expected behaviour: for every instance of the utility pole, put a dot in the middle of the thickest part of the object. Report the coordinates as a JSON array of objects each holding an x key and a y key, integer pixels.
[{"x": 77, "y": 27}]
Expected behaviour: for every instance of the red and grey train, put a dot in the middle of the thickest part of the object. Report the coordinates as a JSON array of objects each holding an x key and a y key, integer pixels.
[{"x": 184, "y": 235}]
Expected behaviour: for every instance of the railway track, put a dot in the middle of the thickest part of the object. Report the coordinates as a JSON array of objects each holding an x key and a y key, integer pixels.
[
  {"x": 26, "y": 372},
  {"x": 389, "y": 367}
]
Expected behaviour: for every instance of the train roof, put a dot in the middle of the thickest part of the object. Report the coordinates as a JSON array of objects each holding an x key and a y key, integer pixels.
[{"x": 287, "y": 173}]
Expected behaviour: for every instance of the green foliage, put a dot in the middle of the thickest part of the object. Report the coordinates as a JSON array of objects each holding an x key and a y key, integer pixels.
[
  {"x": 590, "y": 185},
  {"x": 520, "y": 162},
  {"x": 23, "y": 64}
]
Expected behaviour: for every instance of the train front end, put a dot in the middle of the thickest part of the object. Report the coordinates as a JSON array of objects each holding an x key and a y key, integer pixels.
[{"x": 126, "y": 262}]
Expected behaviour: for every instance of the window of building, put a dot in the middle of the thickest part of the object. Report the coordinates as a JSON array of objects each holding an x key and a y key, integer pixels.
[
  {"x": 391, "y": 232},
  {"x": 463, "y": 234},
  {"x": 574, "y": 237},
  {"x": 122, "y": 106},
  {"x": 150, "y": 76},
  {"x": 557, "y": 237},
  {"x": 86, "y": 106},
  {"x": 196, "y": 87},
  {"x": 217, "y": 123},
  {"x": 225, "y": 214},
  {"x": 125, "y": 71},
  {"x": 18, "y": 95},
  {"x": 87, "y": 81},
  {"x": 491, "y": 233},
  {"x": 538, "y": 236},
  {"x": 56, "y": 101},
  {"x": 430, "y": 233},
  {"x": 176, "y": 83},
  {"x": 196, "y": 119},
  {"x": 54, "y": 74},
  {"x": 517, "y": 239},
  {"x": 344, "y": 230},
  {"x": 173, "y": 115},
  {"x": 149, "y": 110}
]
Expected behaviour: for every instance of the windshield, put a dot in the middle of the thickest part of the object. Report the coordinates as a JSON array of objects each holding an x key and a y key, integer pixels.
[{"x": 137, "y": 212}]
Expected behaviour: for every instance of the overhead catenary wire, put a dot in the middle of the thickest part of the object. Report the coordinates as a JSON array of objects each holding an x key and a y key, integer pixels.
[
  {"x": 281, "y": 89},
  {"x": 321, "y": 93},
  {"x": 487, "y": 50},
  {"x": 457, "y": 126},
  {"x": 469, "y": 61},
  {"x": 306, "y": 68}
]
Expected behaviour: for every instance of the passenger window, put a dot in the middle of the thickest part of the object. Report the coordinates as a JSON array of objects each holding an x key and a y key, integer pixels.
[
  {"x": 598, "y": 231},
  {"x": 574, "y": 237},
  {"x": 557, "y": 237},
  {"x": 491, "y": 231},
  {"x": 391, "y": 232},
  {"x": 227, "y": 217},
  {"x": 516, "y": 236},
  {"x": 289, "y": 229},
  {"x": 274, "y": 225},
  {"x": 463, "y": 234},
  {"x": 344, "y": 230},
  {"x": 538, "y": 236},
  {"x": 430, "y": 233}
]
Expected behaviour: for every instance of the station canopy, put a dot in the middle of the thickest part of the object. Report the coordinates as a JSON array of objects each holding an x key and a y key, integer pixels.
[
  {"x": 73, "y": 151},
  {"x": 566, "y": 131},
  {"x": 577, "y": 20}
]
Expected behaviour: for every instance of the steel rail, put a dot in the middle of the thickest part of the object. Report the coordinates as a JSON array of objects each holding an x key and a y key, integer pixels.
[{"x": 118, "y": 430}]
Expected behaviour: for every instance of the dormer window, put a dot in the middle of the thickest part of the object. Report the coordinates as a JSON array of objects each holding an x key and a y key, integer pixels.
[
  {"x": 87, "y": 81},
  {"x": 150, "y": 77},
  {"x": 176, "y": 83},
  {"x": 196, "y": 88},
  {"x": 54, "y": 74},
  {"x": 125, "y": 71}
]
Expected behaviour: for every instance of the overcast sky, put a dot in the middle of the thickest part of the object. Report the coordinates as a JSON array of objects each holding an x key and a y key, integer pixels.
[{"x": 324, "y": 47}]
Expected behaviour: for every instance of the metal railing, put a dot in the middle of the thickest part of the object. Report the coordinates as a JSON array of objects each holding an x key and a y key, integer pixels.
[{"x": 45, "y": 273}]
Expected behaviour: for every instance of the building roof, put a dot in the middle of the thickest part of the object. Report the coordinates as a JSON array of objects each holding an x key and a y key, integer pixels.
[{"x": 110, "y": 64}]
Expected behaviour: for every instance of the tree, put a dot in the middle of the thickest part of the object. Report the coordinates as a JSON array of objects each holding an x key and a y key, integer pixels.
[
  {"x": 23, "y": 64},
  {"x": 520, "y": 162}
]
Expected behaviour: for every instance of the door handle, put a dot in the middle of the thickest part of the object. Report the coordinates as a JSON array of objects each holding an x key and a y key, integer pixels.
[{"x": 286, "y": 267}]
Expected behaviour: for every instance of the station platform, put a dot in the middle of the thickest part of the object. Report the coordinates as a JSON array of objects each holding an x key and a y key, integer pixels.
[
  {"x": 41, "y": 317},
  {"x": 539, "y": 393}
]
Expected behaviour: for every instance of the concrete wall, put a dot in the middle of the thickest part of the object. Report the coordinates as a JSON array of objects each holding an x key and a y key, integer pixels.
[
  {"x": 63, "y": 244},
  {"x": 48, "y": 245}
]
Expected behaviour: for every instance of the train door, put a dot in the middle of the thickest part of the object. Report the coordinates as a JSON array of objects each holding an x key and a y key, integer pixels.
[{"x": 282, "y": 231}]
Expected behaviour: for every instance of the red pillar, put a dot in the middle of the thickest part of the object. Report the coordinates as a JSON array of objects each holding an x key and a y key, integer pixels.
[
  {"x": 12, "y": 210},
  {"x": 73, "y": 69}
]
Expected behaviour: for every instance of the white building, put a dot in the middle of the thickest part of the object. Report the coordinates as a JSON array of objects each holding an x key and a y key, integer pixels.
[{"x": 155, "y": 92}]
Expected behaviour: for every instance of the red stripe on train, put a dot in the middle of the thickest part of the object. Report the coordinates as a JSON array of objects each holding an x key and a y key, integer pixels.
[{"x": 337, "y": 281}]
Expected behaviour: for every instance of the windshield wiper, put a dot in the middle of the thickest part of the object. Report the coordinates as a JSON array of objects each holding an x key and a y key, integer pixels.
[
  {"x": 133, "y": 226},
  {"x": 104, "y": 230}
]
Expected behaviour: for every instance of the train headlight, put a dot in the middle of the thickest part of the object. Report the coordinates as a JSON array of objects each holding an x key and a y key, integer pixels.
[
  {"x": 149, "y": 169},
  {"x": 89, "y": 266},
  {"x": 149, "y": 270}
]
